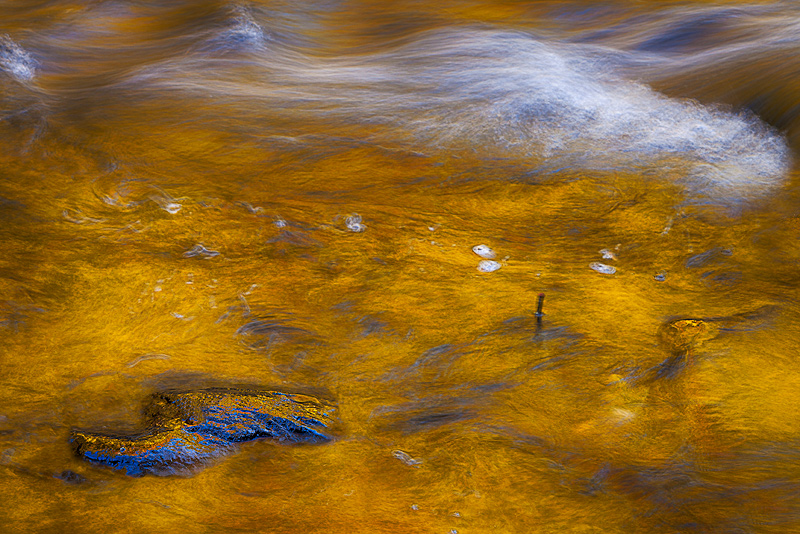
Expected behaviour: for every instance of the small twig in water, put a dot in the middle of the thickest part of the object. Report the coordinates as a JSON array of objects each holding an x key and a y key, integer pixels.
[{"x": 539, "y": 313}]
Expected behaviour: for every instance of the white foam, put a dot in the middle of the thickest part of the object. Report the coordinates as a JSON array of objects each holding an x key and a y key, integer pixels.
[
  {"x": 15, "y": 60},
  {"x": 512, "y": 95},
  {"x": 242, "y": 31}
]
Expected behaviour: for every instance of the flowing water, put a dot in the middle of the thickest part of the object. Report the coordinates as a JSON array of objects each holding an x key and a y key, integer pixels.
[{"x": 287, "y": 195}]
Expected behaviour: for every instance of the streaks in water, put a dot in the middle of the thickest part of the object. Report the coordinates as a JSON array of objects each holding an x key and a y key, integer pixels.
[
  {"x": 242, "y": 31},
  {"x": 146, "y": 357},
  {"x": 262, "y": 334},
  {"x": 297, "y": 238}
]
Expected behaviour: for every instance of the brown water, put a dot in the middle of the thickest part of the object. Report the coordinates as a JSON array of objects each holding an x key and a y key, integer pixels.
[{"x": 173, "y": 179}]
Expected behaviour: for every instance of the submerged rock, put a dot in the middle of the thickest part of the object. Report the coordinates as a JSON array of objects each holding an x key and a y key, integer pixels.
[
  {"x": 682, "y": 335},
  {"x": 184, "y": 428}
]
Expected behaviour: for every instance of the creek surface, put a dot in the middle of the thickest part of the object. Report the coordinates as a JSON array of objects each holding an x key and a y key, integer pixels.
[{"x": 289, "y": 195}]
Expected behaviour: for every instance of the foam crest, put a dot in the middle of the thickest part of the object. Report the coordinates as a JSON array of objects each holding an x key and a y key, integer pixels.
[
  {"x": 15, "y": 60},
  {"x": 508, "y": 94},
  {"x": 243, "y": 30}
]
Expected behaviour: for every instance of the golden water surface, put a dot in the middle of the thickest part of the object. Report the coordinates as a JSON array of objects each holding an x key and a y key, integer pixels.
[{"x": 286, "y": 195}]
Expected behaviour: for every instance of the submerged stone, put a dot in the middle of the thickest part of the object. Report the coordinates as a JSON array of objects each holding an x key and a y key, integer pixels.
[
  {"x": 184, "y": 428},
  {"x": 682, "y": 335}
]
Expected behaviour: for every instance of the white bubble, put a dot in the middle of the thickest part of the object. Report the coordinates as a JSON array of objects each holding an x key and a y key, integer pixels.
[
  {"x": 488, "y": 266},
  {"x": 602, "y": 268},
  {"x": 484, "y": 252},
  {"x": 353, "y": 223}
]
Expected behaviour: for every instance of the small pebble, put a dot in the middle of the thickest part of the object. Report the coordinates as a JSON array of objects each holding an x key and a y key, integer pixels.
[
  {"x": 660, "y": 277},
  {"x": 602, "y": 268},
  {"x": 484, "y": 252},
  {"x": 353, "y": 223},
  {"x": 488, "y": 266}
]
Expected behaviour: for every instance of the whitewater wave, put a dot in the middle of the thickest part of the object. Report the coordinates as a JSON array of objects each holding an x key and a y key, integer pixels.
[{"x": 501, "y": 94}]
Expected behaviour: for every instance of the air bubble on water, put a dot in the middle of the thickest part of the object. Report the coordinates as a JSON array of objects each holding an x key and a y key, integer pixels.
[
  {"x": 280, "y": 223},
  {"x": 602, "y": 268},
  {"x": 488, "y": 266},
  {"x": 353, "y": 223},
  {"x": 77, "y": 217},
  {"x": 414, "y": 507},
  {"x": 484, "y": 252},
  {"x": 660, "y": 277}
]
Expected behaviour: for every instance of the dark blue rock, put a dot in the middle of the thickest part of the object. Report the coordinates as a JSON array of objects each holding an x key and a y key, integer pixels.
[{"x": 186, "y": 428}]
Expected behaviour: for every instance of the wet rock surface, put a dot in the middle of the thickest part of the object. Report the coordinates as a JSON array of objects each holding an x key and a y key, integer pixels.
[{"x": 186, "y": 428}]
